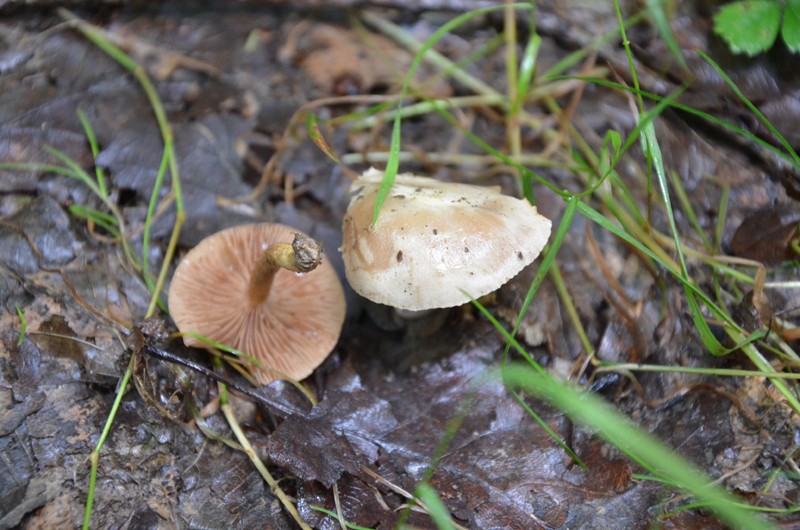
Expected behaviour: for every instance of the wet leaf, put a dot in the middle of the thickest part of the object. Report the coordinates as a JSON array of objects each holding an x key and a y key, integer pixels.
[
  {"x": 25, "y": 397},
  {"x": 339, "y": 435},
  {"x": 359, "y": 502},
  {"x": 498, "y": 466},
  {"x": 38, "y": 234},
  {"x": 766, "y": 236},
  {"x": 234, "y": 493}
]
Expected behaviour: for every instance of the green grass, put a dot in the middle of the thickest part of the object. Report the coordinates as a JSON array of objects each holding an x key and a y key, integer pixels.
[{"x": 23, "y": 326}]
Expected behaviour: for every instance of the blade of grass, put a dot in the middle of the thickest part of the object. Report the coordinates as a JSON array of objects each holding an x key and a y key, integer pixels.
[
  {"x": 81, "y": 175},
  {"x": 719, "y": 372},
  {"x": 105, "y": 221},
  {"x": 513, "y": 132},
  {"x": 39, "y": 168},
  {"x": 314, "y": 132},
  {"x": 538, "y": 368},
  {"x": 706, "y": 335},
  {"x": 544, "y": 267},
  {"x": 458, "y": 159},
  {"x": 686, "y": 207},
  {"x": 652, "y": 153},
  {"x": 78, "y": 173},
  {"x": 644, "y": 123},
  {"x": 521, "y": 84},
  {"x": 148, "y": 222},
  {"x": 626, "y": 44},
  {"x": 593, "y": 412},
  {"x": 332, "y": 514},
  {"x": 749, "y": 104},
  {"x": 569, "y": 306},
  {"x": 660, "y": 19},
  {"x": 248, "y": 450},
  {"x": 89, "y": 131},
  {"x": 94, "y": 457},
  {"x": 97, "y": 37},
  {"x": 23, "y": 326},
  {"x": 436, "y": 508}
]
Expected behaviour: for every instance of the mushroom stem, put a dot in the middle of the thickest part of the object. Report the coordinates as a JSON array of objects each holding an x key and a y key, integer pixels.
[{"x": 303, "y": 255}]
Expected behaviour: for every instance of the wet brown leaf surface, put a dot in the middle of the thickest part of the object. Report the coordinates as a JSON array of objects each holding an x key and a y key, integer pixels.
[
  {"x": 390, "y": 401},
  {"x": 766, "y": 236}
]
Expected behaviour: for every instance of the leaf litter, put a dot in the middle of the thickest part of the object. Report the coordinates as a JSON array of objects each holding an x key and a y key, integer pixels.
[{"x": 387, "y": 399}]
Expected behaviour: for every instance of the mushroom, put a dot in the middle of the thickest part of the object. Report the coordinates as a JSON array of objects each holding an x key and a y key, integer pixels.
[
  {"x": 231, "y": 289},
  {"x": 433, "y": 239}
]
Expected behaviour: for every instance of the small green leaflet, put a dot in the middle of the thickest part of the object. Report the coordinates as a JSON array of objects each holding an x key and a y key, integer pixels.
[
  {"x": 312, "y": 126},
  {"x": 749, "y": 26}
]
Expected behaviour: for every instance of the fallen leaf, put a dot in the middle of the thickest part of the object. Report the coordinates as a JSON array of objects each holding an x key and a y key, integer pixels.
[{"x": 766, "y": 235}]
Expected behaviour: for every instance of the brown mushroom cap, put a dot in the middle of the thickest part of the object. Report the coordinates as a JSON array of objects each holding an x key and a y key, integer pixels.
[
  {"x": 291, "y": 332},
  {"x": 433, "y": 239}
]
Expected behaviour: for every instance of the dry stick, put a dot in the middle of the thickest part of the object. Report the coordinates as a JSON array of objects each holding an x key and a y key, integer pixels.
[
  {"x": 278, "y": 407},
  {"x": 420, "y": 506},
  {"x": 512, "y": 119},
  {"x": 251, "y": 454},
  {"x": 338, "y": 503}
]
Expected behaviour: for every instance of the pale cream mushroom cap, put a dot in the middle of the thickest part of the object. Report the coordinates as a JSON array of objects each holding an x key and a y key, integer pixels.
[
  {"x": 434, "y": 239},
  {"x": 291, "y": 332}
]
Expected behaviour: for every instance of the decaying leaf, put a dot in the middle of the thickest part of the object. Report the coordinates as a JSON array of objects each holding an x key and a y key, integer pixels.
[
  {"x": 766, "y": 236},
  {"x": 339, "y": 435},
  {"x": 498, "y": 469},
  {"x": 345, "y": 62}
]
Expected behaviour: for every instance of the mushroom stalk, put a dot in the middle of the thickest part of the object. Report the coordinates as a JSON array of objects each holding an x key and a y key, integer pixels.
[{"x": 303, "y": 255}]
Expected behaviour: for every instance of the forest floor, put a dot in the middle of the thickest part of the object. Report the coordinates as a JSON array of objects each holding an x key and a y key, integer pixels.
[{"x": 396, "y": 406}]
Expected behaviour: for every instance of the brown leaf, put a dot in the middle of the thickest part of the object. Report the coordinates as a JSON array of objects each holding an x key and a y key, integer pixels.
[
  {"x": 766, "y": 235},
  {"x": 337, "y": 436},
  {"x": 606, "y": 475}
]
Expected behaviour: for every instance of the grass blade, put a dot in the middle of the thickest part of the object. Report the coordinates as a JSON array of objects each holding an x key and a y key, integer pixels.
[
  {"x": 658, "y": 15},
  {"x": 23, "y": 326},
  {"x": 89, "y": 131},
  {"x": 436, "y": 508},
  {"x": 749, "y": 104},
  {"x": 591, "y": 411}
]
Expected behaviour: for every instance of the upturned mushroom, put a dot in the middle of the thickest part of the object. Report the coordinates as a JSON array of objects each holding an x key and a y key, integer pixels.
[
  {"x": 247, "y": 288},
  {"x": 435, "y": 239}
]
